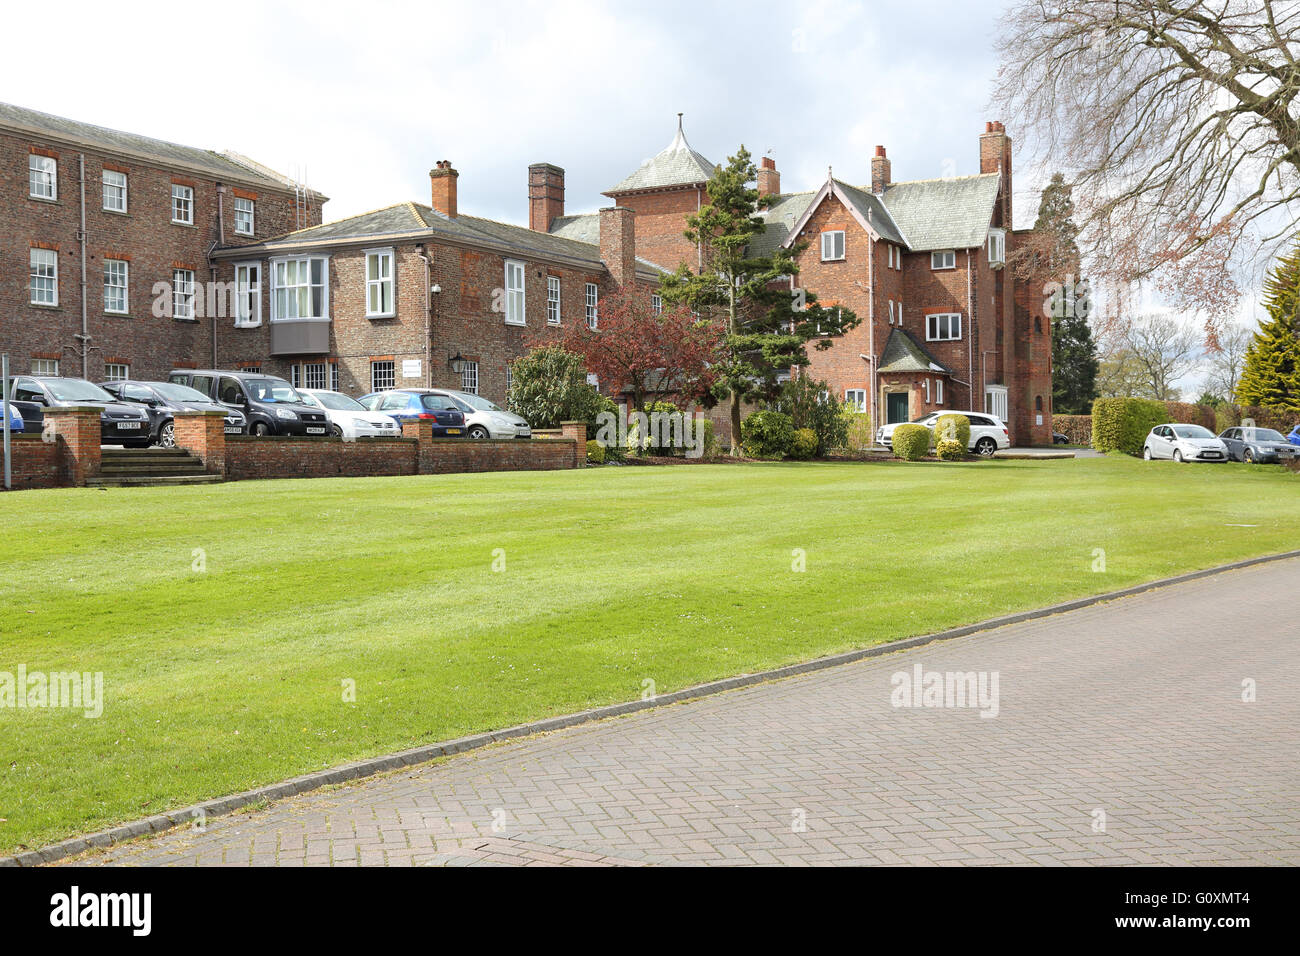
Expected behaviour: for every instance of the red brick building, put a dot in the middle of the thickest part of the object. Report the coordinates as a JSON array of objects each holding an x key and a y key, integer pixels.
[{"x": 105, "y": 244}]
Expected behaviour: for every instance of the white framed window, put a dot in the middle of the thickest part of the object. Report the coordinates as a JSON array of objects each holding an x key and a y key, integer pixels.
[
  {"x": 183, "y": 293},
  {"x": 469, "y": 378},
  {"x": 299, "y": 288},
  {"x": 116, "y": 372},
  {"x": 925, "y": 389},
  {"x": 938, "y": 391},
  {"x": 114, "y": 191},
  {"x": 315, "y": 375},
  {"x": 379, "y": 284},
  {"x": 593, "y": 305},
  {"x": 856, "y": 399},
  {"x": 45, "y": 366},
  {"x": 182, "y": 204},
  {"x": 552, "y": 300},
  {"x": 243, "y": 216},
  {"x": 946, "y": 259},
  {"x": 42, "y": 177},
  {"x": 334, "y": 376},
  {"x": 891, "y": 311},
  {"x": 833, "y": 245},
  {"x": 514, "y": 293},
  {"x": 510, "y": 377},
  {"x": 656, "y": 303},
  {"x": 44, "y": 277},
  {"x": 383, "y": 376},
  {"x": 943, "y": 327},
  {"x": 115, "y": 286},
  {"x": 997, "y": 246},
  {"x": 995, "y": 401},
  {"x": 248, "y": 295}
]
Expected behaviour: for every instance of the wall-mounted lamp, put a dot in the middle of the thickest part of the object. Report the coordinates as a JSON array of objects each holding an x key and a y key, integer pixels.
[{"x": 457, "y": 363}]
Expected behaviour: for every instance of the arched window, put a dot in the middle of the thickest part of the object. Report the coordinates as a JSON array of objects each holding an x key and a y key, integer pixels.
[
  {"x": 1038, "y": 403},
  {"x": 1038, "y": 324}
]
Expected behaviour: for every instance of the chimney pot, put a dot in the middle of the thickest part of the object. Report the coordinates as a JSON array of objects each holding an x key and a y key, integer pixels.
[
  {"x": 442, "y": 183},
  {"x": 769, "y": 162},
  {"x": 880, "y": 151},
  {"x": 769, "y": 179}
]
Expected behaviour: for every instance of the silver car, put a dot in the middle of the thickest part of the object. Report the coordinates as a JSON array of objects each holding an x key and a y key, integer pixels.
[
  {"x": 485, "y": 419},
  {"x": 1184, "y": 443}
]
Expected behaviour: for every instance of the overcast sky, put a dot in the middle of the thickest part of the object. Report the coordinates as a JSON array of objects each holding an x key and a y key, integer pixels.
[{"x": 364, "y": 98}]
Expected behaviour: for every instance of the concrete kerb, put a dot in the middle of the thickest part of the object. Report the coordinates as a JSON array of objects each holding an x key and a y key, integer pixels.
[{"x": 364, "y": 768}]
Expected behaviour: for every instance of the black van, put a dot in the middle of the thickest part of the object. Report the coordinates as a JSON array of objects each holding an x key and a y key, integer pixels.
[{"x": 271, "y": 405}]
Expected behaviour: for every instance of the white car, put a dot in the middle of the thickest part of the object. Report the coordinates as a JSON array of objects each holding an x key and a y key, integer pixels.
[
  {"x": 349, "y": 419},
  {"x": 485, "y": 419},
  {"x": 987, "y": 432},
  {"x": 1184, "y": 443}
]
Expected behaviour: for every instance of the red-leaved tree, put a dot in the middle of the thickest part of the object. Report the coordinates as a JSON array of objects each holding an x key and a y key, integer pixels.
[{"x": 645, "y": 351}]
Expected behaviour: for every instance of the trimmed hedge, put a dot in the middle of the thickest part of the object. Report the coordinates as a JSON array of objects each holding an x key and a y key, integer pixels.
[
  {"x": 1077, "y": 428},
  {"x": 953, "y": 426},
  {"x": 804, "y": 445},
  {"x": 950, "y": 449},
  {"x": 911, "y": 442},
  {"x": 860, "y": 436},
  {"x": 1122, "y": 424},
  {"x": 595, "y": 452},
  {"x": 767, "y": 434}
]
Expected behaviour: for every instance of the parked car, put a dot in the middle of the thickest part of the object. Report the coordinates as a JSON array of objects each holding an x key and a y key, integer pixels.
[
  {"x": 418, "y": 404},
  {"x": 1258, "y": 445},
  {"x": 486, "y": 419},
  {"x": 15, "y": 418},
  {"x": 1059, "y": 439},
  {"x": 348, "y": 417},
  {"x": 119, "y": 423},
  {"x": 1184, "y": 443},
  {"x": 271, "y": 405},
  {"x": 162, "y": 400},
  {"x": 1293, "y": 436},
  {"x": 987, "y": 432}
]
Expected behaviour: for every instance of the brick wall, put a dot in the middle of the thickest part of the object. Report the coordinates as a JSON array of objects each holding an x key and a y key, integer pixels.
[
  {"x": 36, "y": 463},
  {"x": 144, "y": 236},
  {"x": 248, "y": 457},
  {"x": 448, "y": 455},
  {"x": 660, "y": 220}
]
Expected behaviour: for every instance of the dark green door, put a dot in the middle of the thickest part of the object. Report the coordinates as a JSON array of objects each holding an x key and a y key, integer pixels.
[{"x": 895, "y": 407}]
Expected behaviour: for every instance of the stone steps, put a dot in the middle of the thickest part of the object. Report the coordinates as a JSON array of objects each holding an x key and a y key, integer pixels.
[{"x": 143, "y": 467}]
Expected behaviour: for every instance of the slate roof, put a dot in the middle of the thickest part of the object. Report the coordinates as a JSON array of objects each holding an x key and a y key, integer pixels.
[
  {"x": 944, "y": 213},
  {"x": 675, "y": 165},
  {"x": 786, "y": 211},
  {"x": 904, "y": 354},
  {"x": 223, "y": 165}
]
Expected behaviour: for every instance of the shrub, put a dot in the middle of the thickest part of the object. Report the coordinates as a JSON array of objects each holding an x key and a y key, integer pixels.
[
  {"x": 810, "y": 404},
  {"x": 767, "y": 434},
  {"x": 549, "y": 386},
  {"x": 639, "y": 444},
  {"x": 1122, "y": 424},
  {"x": 956, "y": 427},
  {"x": 595, "y": 452},
  {"x": 950, "y": 449},
  {"x": 858, "y": 430},
  {"x": 1077, "y": 428},
  {"x": 911, "y": 442},
  {"x": 712, "y": 447},
  {"x": 804, "y": 445}
]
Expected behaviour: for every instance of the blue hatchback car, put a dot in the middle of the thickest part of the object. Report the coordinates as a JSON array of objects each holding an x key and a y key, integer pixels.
[
  {"x": 416, "y": 405},
  {"x": 15, "y": 419},
  {"x": 1294, "y": 436}
]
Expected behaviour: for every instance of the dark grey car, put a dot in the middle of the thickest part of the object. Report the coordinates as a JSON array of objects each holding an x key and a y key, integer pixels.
[{"x": 1258, "y": 445}]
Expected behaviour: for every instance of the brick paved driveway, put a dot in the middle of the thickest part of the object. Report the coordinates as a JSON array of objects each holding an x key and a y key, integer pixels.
[{"x": 1132, "y": 709}]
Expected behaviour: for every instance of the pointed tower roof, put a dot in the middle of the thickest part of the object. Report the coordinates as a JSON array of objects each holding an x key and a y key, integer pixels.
[{"x": 676, "y": 165}]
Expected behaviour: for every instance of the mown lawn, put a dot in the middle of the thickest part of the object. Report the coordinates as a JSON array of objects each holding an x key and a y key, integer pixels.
[{"x": 227, "y": 677}]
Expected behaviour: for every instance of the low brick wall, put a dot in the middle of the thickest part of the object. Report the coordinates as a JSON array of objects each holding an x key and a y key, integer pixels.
[
  {"x": 36, "y": 463},
  {"x": 449, "y": 455},
  {"x": 1077, "y": 428},
  {"x": 248, "y": 457}
]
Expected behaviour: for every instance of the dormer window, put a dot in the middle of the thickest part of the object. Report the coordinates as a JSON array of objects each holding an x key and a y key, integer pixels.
[
  {"x": 997, "y": 246},
  {"x": 833, "y": 245}
]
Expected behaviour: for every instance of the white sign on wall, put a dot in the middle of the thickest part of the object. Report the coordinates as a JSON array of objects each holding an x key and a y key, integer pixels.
[
  {"x": 411, "y": 368},
  {"x": 1039, "y": 419}
]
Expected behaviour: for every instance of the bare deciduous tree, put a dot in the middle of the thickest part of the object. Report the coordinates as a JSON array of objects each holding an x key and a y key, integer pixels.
[
  {"x": 1223, "y": 368},
  {"x": 1176, "y": 122},
  {"x": 1146, "y": 355}
]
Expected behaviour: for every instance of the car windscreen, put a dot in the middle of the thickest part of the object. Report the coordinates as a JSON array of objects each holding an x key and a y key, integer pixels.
[
  {"x": 438, "y": 403},
  {"x": 1261, "y": 434},
  {"x": 1192, "y": 431},
  {"x": 272, "y": 390},
  {"x": 180, "y": 393},
  {"x": 76, "y": 390},
  {"x": 338, "y": 402},
  {"x": 475, "y": 402}
]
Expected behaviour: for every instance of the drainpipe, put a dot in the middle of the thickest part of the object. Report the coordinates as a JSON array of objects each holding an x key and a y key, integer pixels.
[
  {"x": 84, "y": 337},
  {"x": 212, "y": 268},
  {"x": 428, "y": 314},
  {"x": 871, "y": 322},
  {"x": 970, "y": 333}
]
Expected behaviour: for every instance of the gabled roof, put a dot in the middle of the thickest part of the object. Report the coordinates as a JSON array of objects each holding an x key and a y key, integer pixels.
[
  {"x": 225, "y": 166},
  {"x": 676, "y": 165},
  {"x": 904, "y": 354},
  {"x": 410, "y": 220},
  {"x": 944, "y": 213},
  {"x": 789, "y": 213}
]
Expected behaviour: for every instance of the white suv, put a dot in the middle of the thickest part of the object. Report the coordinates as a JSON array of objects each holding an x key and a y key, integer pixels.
[{"x": 987, "y": 432}]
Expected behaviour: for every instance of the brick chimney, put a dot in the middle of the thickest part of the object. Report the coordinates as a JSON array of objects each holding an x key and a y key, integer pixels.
[
  {"x": 769, "y": 180},
  {"x": 545, "y": 196},
  {"x": 880, "y": 171},
  {"x": 618, "y": 243},
  {"x": 995, "y": 157},
  {"x": 442, "y": 179}
]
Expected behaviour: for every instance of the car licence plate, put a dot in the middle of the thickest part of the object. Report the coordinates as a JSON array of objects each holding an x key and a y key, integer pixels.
[
  {"x": 233, "y": 429},
  {"x": 453, "y": 431},
  {"x": 315, "y": 431},
  {"x": 127, "y": 425}
]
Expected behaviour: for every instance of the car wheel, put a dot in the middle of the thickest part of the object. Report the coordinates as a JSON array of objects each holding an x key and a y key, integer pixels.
[
  {"x": 1248, "y": 456},
  {"x": 1178, "y": 454},
  {"x": 167, "y": 435},
  {"x": 336, "y": 430},
  {"x": 1146, "y": 452},
  {"x": 261, "y": 429},
  {"x": 985, "y": 447},
  {"x": 478, "y": 433}
]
